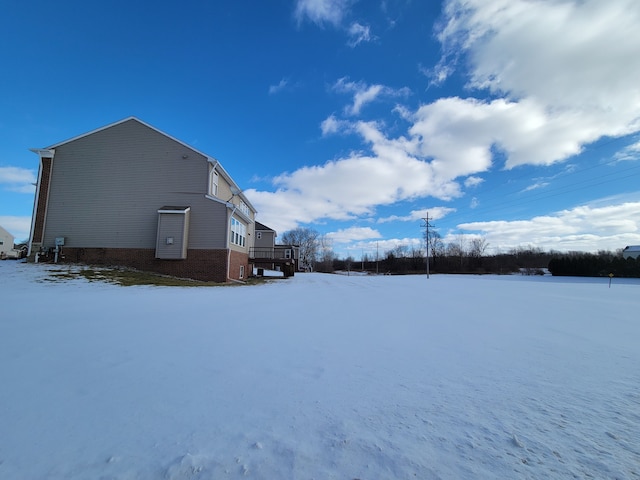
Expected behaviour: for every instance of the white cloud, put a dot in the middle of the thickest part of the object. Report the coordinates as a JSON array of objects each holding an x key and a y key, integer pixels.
[
  {"x": 434, "y": 213},
  {"x": 364, "y": 94},
  {"x": 359, "y": 33},
  {"x": 355, "y": 185},
  {"x": 333, "y": 12},
  {"x": 16, "y": 175},
  {"x": 584, "y": 228},
  {"x": 536, "y": 186},
  {"x": 363, "y": 97},
  {"x": 438, "y": 74},
  {"x": 16, "y": 179},
  {"x": 473, "y": 181},
  {"x": 281, "y": 85},
  {"x": 331, "y": 125},
  {"x": 629, "y": 153},
  {"x": 352, "y": 234},
  {"x": 461, "y": 132},
  {"x": 566, "y": 70},
  {"x": 560, "y": 74},
  {"x": 321, "y": 11}
]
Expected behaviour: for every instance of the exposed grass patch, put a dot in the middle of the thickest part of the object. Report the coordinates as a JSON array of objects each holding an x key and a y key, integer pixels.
[{"x": 129, "y": 277}]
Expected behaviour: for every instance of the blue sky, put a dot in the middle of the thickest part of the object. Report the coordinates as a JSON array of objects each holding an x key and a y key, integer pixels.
[{"x": 516, "y": 120}]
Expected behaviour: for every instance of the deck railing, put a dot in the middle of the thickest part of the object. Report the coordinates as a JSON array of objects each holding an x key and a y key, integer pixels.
[{"x": 270, "y": 253}]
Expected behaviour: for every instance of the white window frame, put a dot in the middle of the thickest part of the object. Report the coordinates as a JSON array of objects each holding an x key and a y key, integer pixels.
[
  {"x": 213, "y": 183},
  {"x": 259, "y": 235},
  {"x": 241, "y": 271},
  {"x": 244, "y": 208},
  {"x": 238, "y": 233}
]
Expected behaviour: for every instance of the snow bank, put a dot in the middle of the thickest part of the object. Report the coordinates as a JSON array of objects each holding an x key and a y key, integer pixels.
[{"x": 319, "y": 376}]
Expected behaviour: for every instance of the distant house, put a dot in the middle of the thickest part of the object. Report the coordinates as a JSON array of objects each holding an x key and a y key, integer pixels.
[
  {"x": 128, "y": 194},
  {"x": 632, "y": 251},
  {"x": 6, "y": 243},
  {"x": 268, "y": 255}
]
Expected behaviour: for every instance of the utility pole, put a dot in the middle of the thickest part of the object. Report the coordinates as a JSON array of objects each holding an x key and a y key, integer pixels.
[{"x": 427, "y": 225}]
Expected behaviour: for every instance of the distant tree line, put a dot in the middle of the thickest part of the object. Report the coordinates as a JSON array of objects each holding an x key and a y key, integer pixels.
[
  {"x": 466, "y": 254},
  {"x": 594, "y": 265}
]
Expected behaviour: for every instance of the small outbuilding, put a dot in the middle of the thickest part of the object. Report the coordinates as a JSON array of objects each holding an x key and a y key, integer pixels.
[
  {"x": 7, "y": 249},
  {"x": 6, "y": 242},
  {"x": 632, "y": 251}
]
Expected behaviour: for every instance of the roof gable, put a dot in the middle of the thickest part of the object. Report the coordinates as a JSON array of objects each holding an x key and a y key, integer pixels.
[
  {"x": 125, "y": 120},
  {"x": 262, "y": 227},
  {"x": 5, "y": 233},
  {"x": 218, "y": 167}
]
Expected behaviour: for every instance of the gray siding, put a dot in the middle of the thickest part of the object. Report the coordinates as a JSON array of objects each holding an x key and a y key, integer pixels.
[
  {"x": 267, "y": 239},
  {"x": 106, "y": 189}
]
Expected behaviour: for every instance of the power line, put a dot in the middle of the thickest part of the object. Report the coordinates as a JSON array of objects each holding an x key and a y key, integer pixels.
[{"x": 554, "y": 192}]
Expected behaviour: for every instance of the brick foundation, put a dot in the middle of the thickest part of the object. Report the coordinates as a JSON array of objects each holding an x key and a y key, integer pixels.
[
  {"x": 206, "y": 265},
  {"x": 236, "y": 260}
]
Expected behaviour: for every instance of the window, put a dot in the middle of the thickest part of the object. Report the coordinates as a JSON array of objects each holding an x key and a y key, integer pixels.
[
  {"x": 287, "y": 253},
  {"x": 258, "y": 235},
  {"x": 238, "y": 232},
  {"x": 213, "y": 183},
  {"x": 244, "y": 208},
  {"x": 241, "y": 271}
]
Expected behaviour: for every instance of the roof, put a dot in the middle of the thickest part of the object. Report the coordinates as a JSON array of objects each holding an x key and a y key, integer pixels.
[
  {"x": 4, "y": 231},
  {"x": 209, "y": 158},
  {"x": 632, "y": 248},
  {"x": 261, "y": 226}
]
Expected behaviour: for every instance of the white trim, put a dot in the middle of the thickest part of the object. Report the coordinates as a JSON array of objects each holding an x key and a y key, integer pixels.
[
  {"x": 44, "y": 152},
  {"x": 216, "y": 199},
  {"x": 180, "y": 210},
  {"x": 240, "y": 213},
  {"x": 214, "y": 180}
]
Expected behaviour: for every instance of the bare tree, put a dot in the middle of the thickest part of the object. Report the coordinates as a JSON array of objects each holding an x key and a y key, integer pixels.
[
  {"x": 457, "y": 249},
  {"x": 477, "y": 247},
  {"x": 308, "y": 241},
  {"x": 435, "y": 244},
  {"x": 327, "y": 255},
  {"x": 454, "y": 250},
  {"x": 401, "y": 251},
  {"x": 417, "y": 258}
]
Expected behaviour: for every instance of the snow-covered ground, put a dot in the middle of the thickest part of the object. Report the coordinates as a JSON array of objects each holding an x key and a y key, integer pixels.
[{"x": 320, "y": 377}]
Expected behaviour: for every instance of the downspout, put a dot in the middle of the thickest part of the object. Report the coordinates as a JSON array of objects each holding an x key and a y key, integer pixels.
[
  {"x": 235, "y": 207},
  {"x": 42, "y": 154},
  {"x": 35, "y": 208}
]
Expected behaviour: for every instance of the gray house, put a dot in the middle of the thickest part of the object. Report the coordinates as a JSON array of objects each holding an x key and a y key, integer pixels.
[
  {"x": 266, "y": 254},
  {"x": 128, "y": 194},
  {"x": 6, "y": 243},
  {"x": 632, "y": 251}
]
